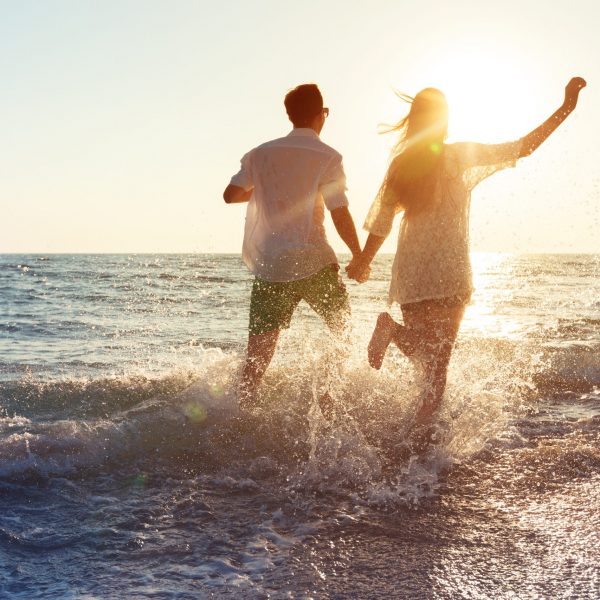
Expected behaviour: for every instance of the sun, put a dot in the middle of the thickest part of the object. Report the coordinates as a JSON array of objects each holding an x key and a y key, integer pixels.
[
  {"x": 487, "y": 96},
  {"x": 491, "y": 94}
]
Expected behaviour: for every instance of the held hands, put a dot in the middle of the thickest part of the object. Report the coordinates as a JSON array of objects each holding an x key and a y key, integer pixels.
[
  {"x": 572, "y": 91},
  {"x": 358, "y": 270}
]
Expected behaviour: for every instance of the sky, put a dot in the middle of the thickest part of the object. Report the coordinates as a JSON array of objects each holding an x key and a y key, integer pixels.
[{"x": 123, "y": 120}]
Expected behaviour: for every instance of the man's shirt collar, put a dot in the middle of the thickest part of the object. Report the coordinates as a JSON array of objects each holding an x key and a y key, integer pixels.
[{"x": 304, "y": 132}]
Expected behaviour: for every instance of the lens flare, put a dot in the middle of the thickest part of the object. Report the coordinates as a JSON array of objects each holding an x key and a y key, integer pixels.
[
  {"x": 216, "y": 390},
  {"x": 195, "y": 412},
  {"x": 139, "y": 481}
]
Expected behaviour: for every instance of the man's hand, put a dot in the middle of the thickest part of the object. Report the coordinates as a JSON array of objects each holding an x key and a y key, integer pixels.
[
  {"x": 234, "y": 194},
  {"x": 358, "y": 270},
  {"x": 572, "y": 91}
]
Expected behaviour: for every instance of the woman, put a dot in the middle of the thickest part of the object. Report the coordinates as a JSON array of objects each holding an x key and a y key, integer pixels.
[{"x": 431, "y": 277}]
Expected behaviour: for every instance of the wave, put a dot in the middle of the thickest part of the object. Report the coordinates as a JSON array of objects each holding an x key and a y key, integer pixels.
[
  {"x": 86, "y": 398},
  {"x": 188, "y": 422},
  {"x": 544, "y": 368},
  {"x": 572, "y": 368}
]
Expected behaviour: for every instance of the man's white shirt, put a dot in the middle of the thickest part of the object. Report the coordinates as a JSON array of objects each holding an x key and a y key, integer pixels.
[{"x": 292, "y": 179}]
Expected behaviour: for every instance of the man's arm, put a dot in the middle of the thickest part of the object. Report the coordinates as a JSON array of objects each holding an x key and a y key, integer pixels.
[
  {"x": 360, "y": 265},
  {"x": 234, "y": 194},
  {"x": 344, "y": 225}
]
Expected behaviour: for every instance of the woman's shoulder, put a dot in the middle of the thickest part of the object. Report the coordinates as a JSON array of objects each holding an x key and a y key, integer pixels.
[
  {"x": 455, "y": 153},
  {"x": 456, "y": 149}
]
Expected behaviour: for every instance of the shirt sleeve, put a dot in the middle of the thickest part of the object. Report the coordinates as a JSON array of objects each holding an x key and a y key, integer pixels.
[
  {"x": 479, "y": 161},
  {"x": 380, "y": 218},
  {"x": 332, "y": 184},
  {"x": 243, "y": 178}
]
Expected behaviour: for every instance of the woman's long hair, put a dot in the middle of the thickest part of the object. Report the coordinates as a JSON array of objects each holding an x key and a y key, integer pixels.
[{"x": 413, "y": 173}]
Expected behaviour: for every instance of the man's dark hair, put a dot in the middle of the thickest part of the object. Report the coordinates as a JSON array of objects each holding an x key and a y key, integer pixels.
[{"x": 303, "y": 104}]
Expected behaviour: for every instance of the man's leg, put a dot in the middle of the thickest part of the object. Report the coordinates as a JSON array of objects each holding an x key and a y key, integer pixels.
[
  {"x": 261, "y": 348},
  {"x": 271, "y": 307},
  {"x": 326, "y": 294}
]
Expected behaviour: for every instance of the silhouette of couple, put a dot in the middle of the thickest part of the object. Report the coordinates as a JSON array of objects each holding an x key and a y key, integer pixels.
[{"x": 288, "y": 182}]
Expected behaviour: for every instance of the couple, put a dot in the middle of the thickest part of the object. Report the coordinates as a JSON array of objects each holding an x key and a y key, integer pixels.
[{"x": 288, "y": 182}]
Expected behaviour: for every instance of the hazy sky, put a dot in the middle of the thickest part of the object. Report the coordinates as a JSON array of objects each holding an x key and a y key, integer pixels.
[{"x": 122, "y": 120}]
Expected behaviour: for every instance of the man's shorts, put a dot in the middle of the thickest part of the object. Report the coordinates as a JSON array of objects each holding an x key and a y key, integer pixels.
[{"x": 273, "y": 303}]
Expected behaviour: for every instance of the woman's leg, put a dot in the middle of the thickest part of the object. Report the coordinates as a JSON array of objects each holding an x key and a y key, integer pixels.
[
  {"x": 436, "y": 326},
  {"x": 386, "y": 331}
]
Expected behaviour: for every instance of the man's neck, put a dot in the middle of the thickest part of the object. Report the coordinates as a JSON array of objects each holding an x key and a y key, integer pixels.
[{"x": 309, "y": 127}]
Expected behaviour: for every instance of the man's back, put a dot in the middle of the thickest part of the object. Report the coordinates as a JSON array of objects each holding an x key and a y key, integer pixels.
[{"x": 293, "y": 177}]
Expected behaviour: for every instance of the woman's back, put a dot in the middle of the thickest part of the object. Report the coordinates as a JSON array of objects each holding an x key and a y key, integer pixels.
[{"x": 432, "y": 258}]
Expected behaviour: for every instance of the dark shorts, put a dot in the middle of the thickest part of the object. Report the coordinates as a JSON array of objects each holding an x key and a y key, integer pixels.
[{"x": 273, "y": 303}]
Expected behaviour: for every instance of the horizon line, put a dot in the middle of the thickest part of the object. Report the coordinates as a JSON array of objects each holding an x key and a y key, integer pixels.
[{"x": 169, "y": 253}]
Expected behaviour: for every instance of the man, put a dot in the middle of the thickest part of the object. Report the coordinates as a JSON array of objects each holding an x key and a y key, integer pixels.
[{"x": 287, "y": 183}]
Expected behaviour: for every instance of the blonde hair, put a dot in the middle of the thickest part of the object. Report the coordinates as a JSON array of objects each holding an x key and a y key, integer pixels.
[{"x": 410, "y": 181}]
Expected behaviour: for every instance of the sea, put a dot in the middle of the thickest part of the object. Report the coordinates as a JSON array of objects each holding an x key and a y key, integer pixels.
[{"x": 127, "y": 470}]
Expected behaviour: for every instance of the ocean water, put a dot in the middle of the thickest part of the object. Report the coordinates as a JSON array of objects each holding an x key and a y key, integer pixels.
[{"x": 126, "y": 470}]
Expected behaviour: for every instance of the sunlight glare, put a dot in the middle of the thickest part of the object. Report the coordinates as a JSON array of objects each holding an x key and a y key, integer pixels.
[
  {"x": 490, "y": 95},
  {"x": 484, "y": 314},
  {"x": 482, "y": 90}
]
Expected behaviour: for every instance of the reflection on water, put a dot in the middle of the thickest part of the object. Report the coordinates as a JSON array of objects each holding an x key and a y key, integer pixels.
[{"x": 126, "y": 469}]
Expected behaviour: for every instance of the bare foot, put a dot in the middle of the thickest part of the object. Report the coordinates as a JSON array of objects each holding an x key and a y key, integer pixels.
[{"x": 380, "y": 339}]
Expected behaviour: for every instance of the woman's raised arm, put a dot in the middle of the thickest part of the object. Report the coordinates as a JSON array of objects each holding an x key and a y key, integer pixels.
[{"x": 533, "y": 140}]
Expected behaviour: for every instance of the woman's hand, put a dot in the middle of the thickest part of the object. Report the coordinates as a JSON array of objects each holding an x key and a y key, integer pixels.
[
  {"x": 534, "y": 138},
  {"x": 572, "y": 92},
  {"x": 358, "y": 269}
]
